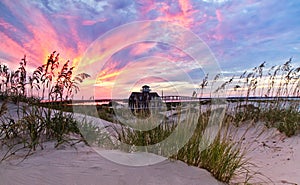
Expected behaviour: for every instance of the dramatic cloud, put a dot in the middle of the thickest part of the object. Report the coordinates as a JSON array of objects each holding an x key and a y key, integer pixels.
[{"x": 241, "y": 34}]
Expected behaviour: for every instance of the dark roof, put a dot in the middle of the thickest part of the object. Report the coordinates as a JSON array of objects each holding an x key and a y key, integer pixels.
[
  {"x": 153, "y": 94},
  {"x": 146, "y": 86},
  {"x": 133, "y": 93}
]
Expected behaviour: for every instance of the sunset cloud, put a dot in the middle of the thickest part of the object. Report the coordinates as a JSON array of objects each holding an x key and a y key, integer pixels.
[{"x": 239, "y": 35}]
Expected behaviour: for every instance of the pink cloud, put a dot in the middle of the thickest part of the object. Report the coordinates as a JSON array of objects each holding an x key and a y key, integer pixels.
[
  {"x": 219, "y": 15},
  {"x": 92, "y": 22},
  {"x": 43, "y": 38},
  {"x": 11, "y": 47},
  {"x": 183, "y": 17},
  {"x": 142, "y": 48},
  {"x": 7, "y": 25}
]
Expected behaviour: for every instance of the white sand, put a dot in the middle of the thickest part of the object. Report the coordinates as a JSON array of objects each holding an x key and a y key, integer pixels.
[
  {"x": 86, "y": 167},
  {"x": 275, "y": 157}
]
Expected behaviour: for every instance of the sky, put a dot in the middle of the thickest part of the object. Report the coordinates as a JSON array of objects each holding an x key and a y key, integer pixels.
[{"x": 167, "y": 44}]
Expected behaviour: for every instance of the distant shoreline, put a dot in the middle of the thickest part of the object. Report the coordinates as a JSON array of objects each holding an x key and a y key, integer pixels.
[{"x": 235, "y": 98}]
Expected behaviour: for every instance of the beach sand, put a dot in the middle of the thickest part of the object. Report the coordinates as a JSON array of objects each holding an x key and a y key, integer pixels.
[
  {"x": 274, "y": 158},
  {"x": 84, "y": 166}
]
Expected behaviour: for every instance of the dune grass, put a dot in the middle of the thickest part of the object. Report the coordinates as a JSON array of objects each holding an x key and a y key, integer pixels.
[
  {"x": 221, "y": 156},
  {"x": 277, "y": 96},
  {"x": 29, "y": 126},
  {"x": 276, "y": 103},
  {"x": 33, "y": 123}
]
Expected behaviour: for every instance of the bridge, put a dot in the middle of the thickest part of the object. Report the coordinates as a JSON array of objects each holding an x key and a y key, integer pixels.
[{"x": 181, "y": 98}]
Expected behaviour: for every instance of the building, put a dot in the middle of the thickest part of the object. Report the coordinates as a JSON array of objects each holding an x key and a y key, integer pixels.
[{"x": 144, "y": 100}]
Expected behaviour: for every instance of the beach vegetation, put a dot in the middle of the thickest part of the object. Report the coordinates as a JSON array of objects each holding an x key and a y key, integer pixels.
[
  {"x": 44, "y": 112},
  {"x": 30, "y": 122}
]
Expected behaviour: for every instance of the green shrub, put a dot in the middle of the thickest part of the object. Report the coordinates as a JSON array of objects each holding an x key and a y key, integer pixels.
[{"x": 285, "y": 120}]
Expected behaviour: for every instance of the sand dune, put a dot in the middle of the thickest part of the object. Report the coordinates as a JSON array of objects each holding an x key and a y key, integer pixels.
[
  {"x": 84, "y": 166},
  {"x": 274, "y": 157}
]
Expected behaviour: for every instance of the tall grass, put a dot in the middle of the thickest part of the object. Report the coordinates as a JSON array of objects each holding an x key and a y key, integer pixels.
[
  {"x": 267, "y": 94},
  {"x": 32, "y": 123},
  {"x": 260, "y": 95},
  {"x": 220, "y": 156},
  {"x": 34, "y": 126}
]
